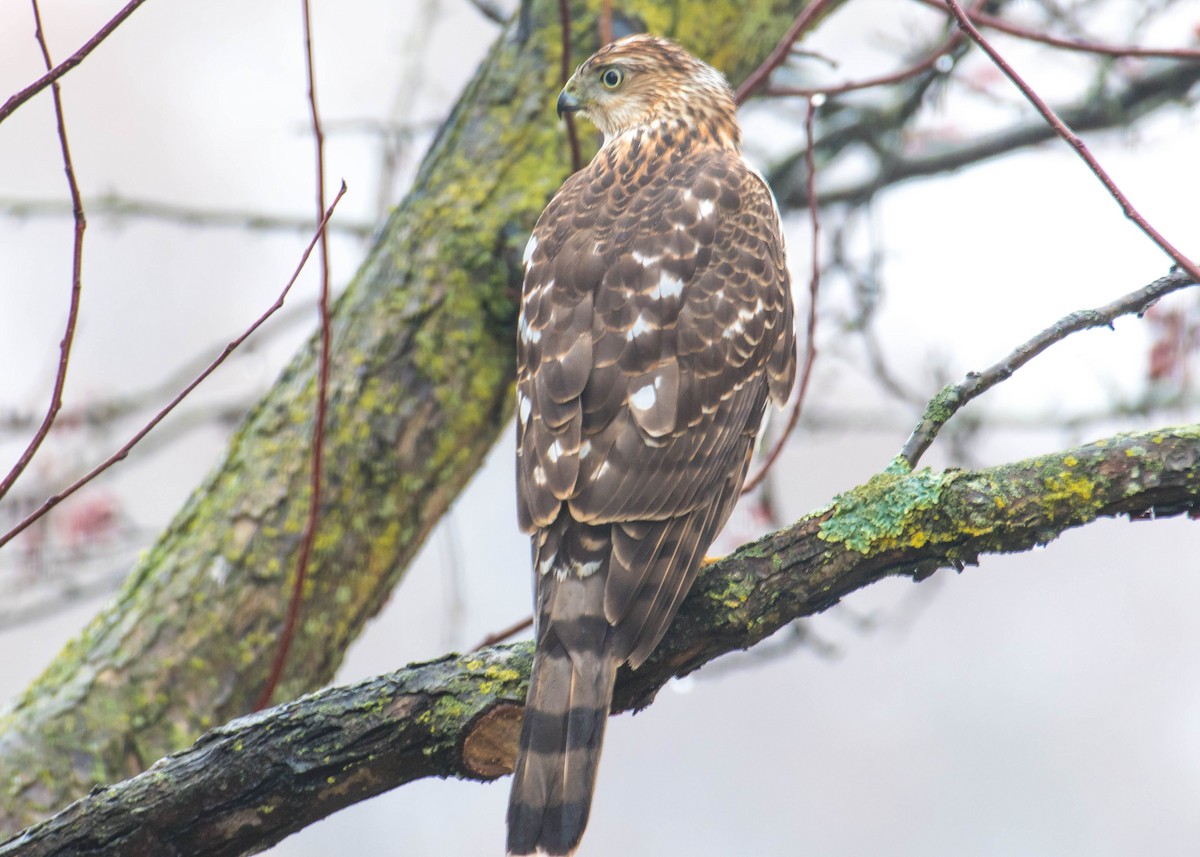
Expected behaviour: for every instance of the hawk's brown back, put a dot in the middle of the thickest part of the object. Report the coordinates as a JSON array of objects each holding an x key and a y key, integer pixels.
[{"x": 655, "y": 320}]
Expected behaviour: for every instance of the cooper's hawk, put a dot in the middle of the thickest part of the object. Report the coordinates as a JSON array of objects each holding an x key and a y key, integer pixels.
[{"x": 655, "y": 321}]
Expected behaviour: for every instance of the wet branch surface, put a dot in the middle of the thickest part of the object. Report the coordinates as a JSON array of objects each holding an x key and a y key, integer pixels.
[{"x": 250, "y": 783}]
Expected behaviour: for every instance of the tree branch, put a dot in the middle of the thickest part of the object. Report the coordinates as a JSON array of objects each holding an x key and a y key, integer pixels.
[
  {"x": 249, "y": 783},
  {"x": 64, "y": 348},
  {"x": 116, "y": 207},
  {"x": 1101, "y": 109},
  {"x": 953, "y": 397},
  {"x": 69, "y": 63},
  {"x": 1074, "y": 141}
]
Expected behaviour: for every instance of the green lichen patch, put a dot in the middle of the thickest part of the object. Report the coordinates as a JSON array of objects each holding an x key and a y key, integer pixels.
[
  {"x": 736, "y": 590},
  {"x": 883, "y": 513}
]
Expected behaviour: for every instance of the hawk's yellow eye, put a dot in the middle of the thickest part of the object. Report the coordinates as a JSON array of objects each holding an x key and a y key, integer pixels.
[{"x": 612, "y": 77}]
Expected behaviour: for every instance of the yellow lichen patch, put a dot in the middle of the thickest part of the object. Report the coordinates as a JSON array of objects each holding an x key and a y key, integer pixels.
[
  {"x": 1067, "y": 486},
  {"x": 501, "y": 674}
]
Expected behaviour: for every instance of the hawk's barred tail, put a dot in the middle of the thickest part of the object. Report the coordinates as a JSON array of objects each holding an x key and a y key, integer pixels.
[{"x": 570, "y": 691}]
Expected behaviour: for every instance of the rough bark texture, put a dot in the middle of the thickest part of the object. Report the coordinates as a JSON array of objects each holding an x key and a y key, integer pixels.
[
  {"x": 421, "y": 386},
  {"x": 250, "y": 783}
]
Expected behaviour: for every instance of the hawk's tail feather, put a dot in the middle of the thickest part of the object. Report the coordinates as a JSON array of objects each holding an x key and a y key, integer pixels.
[
  {"x": 673, "y": 567},
  {"x": 570, "y": 693}
]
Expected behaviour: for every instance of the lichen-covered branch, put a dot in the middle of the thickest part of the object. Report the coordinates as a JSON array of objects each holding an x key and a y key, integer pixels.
[
  {"x": 248, "y": 784},
  {"x": 420, "y": 386}
]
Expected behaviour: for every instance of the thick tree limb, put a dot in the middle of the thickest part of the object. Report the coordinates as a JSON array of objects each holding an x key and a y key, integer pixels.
[{"x": 248, "y": 784}]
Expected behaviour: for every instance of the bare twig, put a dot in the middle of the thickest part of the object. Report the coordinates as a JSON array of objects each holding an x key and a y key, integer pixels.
[
  {"x": 69, "y": 63},
  {"x": 1099, "y": 111},
  {"x": 564, "y": 20},
  {"x": 1071, "y": 44},
  {"x": 814, "y": 286},
  {"x": 779, "y": 55},
  {"x": 117, "y": 207},
  {"x": 124, "y": 451},
  {"x": 102, "y": 412},
  {"x": 1073, "y": 139},
  {"x": 929, "y": 61},
  {"x": 951, "y": 399},
  {"x": 318, "y": 444},
  {"x": 64, "y": 348},
  {"x": 504, "y": 633},
  {"x": 605, "y": 24}
]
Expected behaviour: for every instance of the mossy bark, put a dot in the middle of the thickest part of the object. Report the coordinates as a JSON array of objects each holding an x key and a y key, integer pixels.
[
  {"x": 420, "y": 387},
  {"x": 250, "y": 783}
]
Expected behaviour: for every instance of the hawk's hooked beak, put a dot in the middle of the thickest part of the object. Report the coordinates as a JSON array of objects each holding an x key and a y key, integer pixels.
[{"x": 568, "y": 103}]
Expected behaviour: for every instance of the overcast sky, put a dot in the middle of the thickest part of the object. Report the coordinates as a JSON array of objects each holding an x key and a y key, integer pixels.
[{"x": 1043, "y": 704}]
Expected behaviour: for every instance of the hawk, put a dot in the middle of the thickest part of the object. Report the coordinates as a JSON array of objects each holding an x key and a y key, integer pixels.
[{"x": 656, "y": 321}]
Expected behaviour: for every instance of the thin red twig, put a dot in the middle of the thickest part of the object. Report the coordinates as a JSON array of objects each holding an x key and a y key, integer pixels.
[
  {"x": 814, "y": 287},
  {"x": 605, "y": 23},
  {"x": 779, "y": 55},
  {"x": 64, "y": 348},
  {"x": 919, "y": 67},
  {"x": 890, "y": 79},
  {"x": 124, "y": 451},
  {"x": 1068, "y": 43},
  {"x": 564, "y": 19},
  {"x": 318, "y": 444},
  {"x": 69, "y": 63},
  {"x": 504, "y": 633},
  {"x": 964, "y": 21}
]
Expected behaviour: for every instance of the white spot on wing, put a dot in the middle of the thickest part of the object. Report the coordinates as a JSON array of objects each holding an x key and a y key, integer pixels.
[
  {"x": 539, "y": 475},
  {"x": 555, "y": 452},
  {"x": 707, "y": 206},
  {"x": 546, "y": 564},
  {"x": 587, "y": 568},
  {"x": 644, "y": 399},
  {"x": 528, "y": 334},
  {"x": 639, "y": 327},
  {"x": 585, "y": 449},
  {"x": 644, "y": 261},
  {"x": 669, "y": 286},
  {"x": 523, "y": 407},
  {"x": 744, "y": 315},
  {"x": 529, "y": 250}
]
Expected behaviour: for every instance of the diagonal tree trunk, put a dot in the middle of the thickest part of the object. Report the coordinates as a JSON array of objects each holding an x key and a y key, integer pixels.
[{"x": 421, "y": 374}]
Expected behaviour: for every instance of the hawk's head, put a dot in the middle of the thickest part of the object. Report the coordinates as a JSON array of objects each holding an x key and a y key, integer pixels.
[{"x": 639, "y": 80}]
